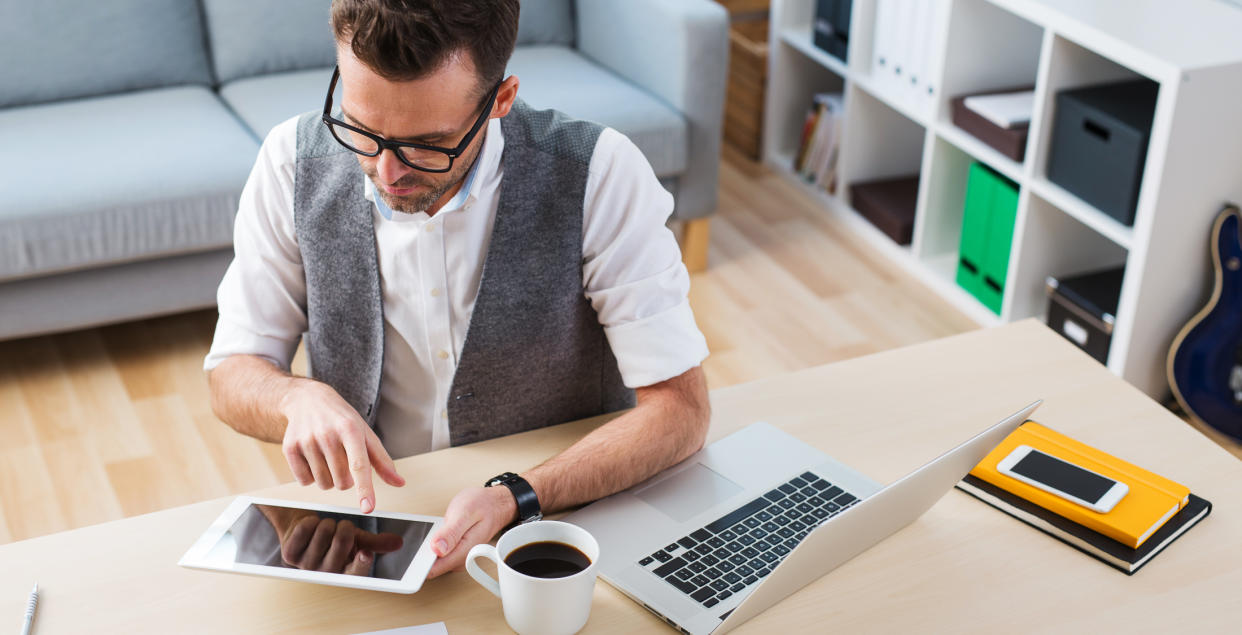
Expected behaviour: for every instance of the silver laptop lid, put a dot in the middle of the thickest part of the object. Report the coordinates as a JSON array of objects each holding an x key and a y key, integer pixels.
[{"x": 871, "y": 520}]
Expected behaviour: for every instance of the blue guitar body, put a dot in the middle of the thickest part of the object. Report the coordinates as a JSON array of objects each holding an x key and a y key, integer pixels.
[{"x": 1205, "y": 362}]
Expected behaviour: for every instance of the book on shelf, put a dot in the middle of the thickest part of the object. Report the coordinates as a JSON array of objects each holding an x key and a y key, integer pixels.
[
  {"x": 1152, "y": 499},
  {"x": 904, "y": 49},
  {"x": 816, "y": 160},
  {"x": 886, "y": 16},
  {"x": 1092, "y": 543}
]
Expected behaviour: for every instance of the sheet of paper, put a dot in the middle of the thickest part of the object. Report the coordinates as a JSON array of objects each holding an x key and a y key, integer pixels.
[{"x": 426, "y": 629}]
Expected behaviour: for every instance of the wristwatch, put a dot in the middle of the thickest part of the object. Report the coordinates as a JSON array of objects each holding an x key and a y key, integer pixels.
[{"x": 528, "y": 509}]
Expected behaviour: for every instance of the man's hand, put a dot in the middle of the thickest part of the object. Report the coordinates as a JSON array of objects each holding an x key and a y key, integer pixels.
[
  {"x": 668, "y": 424},
  {"x": 323, "y": 544},
  {"x": 474, "y": 516},
  {"x": 326, "y": 442}
]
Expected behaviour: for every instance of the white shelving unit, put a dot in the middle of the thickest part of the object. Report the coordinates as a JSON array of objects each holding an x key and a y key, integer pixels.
[{"x": 1191, "y": 48}]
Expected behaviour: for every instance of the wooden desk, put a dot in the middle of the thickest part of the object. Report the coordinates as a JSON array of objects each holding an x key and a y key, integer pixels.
[{"x": 962, "y": 567}]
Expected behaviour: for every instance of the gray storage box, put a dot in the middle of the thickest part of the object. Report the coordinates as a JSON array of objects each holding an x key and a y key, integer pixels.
[{"x": 1099, "y": 144}]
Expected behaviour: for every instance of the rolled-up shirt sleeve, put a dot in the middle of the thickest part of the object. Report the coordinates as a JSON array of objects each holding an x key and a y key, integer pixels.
[
  {"x": 632, "y": 267},
  {"x": 262, "y": 297}
]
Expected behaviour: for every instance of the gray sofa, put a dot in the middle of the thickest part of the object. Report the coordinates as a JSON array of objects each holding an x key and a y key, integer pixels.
[{"x": 128, "y": 127}]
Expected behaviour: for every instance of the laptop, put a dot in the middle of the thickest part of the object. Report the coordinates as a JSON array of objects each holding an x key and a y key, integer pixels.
[{"x": 752, "y": 518}]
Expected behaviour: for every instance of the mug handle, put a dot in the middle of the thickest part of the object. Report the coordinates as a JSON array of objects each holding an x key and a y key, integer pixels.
[{"x": 476, "y": 572}]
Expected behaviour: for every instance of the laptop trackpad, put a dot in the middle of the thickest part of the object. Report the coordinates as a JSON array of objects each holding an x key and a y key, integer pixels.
[{"x": 688, "y": 492}]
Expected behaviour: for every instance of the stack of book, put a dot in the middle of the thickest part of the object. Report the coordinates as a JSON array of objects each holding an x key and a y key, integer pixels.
[
  {"x": 1152, "y": 514},
  {"x": 816, "y": 160}
]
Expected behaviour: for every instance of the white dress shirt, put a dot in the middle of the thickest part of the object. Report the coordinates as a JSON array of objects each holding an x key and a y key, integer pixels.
[{"x": 430, "y": 269}]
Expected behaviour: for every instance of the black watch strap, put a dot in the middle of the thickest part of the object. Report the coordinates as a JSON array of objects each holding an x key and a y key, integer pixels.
[{"x": 527, "y": 502}]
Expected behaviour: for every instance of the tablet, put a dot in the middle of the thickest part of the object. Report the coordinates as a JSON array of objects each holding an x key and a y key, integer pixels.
[{"x": 324, "y": 544}]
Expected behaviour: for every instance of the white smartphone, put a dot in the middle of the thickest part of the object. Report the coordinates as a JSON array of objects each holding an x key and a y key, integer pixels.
[{"x": 1056, "y": 476}]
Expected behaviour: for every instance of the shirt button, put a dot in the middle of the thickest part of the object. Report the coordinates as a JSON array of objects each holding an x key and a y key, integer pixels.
[
  {"x": 429, "y": 227},
  {"x": 444, "y": 414},
  {"x": 435, "y": 293},
  {"x": 443, "y": 354}
]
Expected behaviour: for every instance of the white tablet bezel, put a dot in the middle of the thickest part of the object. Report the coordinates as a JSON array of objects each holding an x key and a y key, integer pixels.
[{"x": 410, "y": 582}]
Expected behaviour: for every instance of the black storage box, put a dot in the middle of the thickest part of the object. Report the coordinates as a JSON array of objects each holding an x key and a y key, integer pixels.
[
  {"x": 889, "y": 205},
  {"x": 832, "y": 26},
  {"x": 1099, "y": 144},
  {"x": 1082, "y": 308}
]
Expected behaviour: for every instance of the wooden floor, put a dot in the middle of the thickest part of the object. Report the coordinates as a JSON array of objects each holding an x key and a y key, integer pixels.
[{"x": 111, "y": 422}]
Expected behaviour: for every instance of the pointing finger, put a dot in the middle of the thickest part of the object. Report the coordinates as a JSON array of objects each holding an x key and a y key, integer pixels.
[
  {"x": 360, "y": 468},
  {"x": 380, "y": 460},
  {"x": 386, "y": 542}
]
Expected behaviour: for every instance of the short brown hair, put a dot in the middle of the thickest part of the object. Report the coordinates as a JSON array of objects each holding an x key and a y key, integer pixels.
[{"x": 403, "y": 40}]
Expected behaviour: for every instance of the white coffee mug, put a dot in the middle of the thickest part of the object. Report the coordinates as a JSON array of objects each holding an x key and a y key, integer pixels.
[{"x": 544, "y": 606}]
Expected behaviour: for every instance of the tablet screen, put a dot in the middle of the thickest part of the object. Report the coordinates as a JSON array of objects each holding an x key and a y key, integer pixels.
[{"x": 293, "y": 538}]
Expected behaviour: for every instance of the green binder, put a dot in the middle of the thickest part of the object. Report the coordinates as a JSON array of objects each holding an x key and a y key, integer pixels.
[
  {"x": 975, "y": 229},
  {"x": 1000, "y": 243},
  {"x": 988, "y": 219}
]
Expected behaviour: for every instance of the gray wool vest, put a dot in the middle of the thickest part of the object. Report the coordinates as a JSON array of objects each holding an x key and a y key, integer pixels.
[{"x": 534, "y": 354}]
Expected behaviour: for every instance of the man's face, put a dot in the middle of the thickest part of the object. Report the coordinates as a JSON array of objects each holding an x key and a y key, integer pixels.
[{"x": 438, "y": 110}]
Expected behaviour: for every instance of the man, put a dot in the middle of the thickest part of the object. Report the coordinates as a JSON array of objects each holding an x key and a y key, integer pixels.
[{"x": 463, "y": 267}]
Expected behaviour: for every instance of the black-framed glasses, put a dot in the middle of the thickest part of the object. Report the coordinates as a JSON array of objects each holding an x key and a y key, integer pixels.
[{"x": 423, "y": 157}]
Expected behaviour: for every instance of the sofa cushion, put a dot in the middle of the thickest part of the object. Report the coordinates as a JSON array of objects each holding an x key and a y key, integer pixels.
[
  {"x": 119, "y": 178},
  {"x": 65, "y": 49},
  {"x": 251, "y": 38},
  {"x": 561, "y": 78},
  {"x": 552, "y": 77},
  {"x": 262, "y": 102},
  {"x": 255, "y": 38},
  {"x": 546, "y": 22}
]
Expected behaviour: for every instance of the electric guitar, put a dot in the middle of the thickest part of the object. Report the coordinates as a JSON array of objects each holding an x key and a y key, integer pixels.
[{"x": 1205, "y": 362}]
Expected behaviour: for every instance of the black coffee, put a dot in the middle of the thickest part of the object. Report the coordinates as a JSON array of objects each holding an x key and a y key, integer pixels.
[{"x": 547, "y": 560}]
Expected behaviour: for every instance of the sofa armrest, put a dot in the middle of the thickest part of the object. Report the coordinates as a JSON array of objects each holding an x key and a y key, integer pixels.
[{"x": 679, "y": 51}]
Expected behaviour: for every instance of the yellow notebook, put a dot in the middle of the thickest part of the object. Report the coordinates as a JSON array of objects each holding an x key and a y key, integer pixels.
[{"x": 1151, "y": 501}]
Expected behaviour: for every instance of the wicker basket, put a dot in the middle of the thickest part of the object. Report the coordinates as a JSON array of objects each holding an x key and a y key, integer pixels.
[{"x": 748, "y": 74}]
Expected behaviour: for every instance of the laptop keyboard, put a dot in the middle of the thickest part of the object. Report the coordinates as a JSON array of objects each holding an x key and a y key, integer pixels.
[{"x": 737, "y": 550}]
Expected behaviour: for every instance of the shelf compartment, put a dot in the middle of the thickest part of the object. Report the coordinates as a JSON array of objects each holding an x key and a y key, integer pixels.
[
  {"x": 794, "y": 24},
  {"x": 944, "y": 213},
  {"x": 879, "y": 142},
  {"x": 1068, "y": 65},
  {"x": 951, "y": 157},
  {"x": 1099, "y": 222},
  {"x": 1053, "y": 243},
  {"x": 988, "y": 49},
  {"x": 840, "y": 210},
  {"x": 800, "y": 79}
]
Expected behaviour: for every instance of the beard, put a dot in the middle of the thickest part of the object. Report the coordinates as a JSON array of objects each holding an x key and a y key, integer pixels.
[
  {"x": 438, "y": 184},
  {"x": 414, "y": 203}
]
